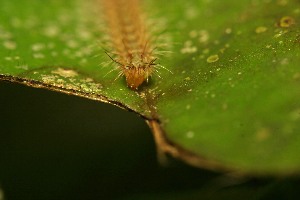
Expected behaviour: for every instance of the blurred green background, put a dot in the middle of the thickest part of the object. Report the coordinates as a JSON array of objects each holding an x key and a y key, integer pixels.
[{"x": 55, "y": 146}]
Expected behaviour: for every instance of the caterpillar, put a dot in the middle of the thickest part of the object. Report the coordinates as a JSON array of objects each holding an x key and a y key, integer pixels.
[{"x": 130, "y": 41}]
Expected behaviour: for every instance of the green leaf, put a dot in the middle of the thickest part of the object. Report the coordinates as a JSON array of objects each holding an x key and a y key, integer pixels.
[{"x": 231, "y": 100}]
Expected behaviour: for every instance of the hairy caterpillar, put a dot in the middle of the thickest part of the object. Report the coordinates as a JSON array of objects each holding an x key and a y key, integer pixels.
[{"x": 130, "y": 41}]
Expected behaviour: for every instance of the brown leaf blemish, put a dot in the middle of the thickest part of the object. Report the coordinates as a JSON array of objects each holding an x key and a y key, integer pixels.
[{"x": 286, "y": 22}]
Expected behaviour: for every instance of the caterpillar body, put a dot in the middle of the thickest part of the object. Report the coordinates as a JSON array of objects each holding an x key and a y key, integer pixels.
[{"x": 130, "y": 41}]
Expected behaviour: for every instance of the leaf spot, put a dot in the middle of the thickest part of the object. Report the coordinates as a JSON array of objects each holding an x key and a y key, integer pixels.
[
  {"x": 51, "y": 31},
  {"x": 228, "y": 30},
  {"x": 38, "y": 55},
  {"x": 24, "y": 67},
  {"x": 188, "y": 107},
  {"x": 11, "y": 45},
  {"x": 203, "y": 36},
  {"x": 37, "y": 47},
  {"x": 286, "y": 22},
  {"x": 213, "y": 58},
  {"x": 193, "y": 33},
  {"x": 263, "y": 134},
  {"x": 187, "y": 79},
  {"x": 261, "y": 29},
  {"x": 296, "y": 76},
  {"x": 66, "y": 73},
  {"x": 188, "y": 48},
  {"x": 190, "y": 134}
]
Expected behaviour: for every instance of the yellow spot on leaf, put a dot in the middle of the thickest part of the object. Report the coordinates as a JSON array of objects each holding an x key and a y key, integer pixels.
[
  {"x": 213, "y": 58},
  {"x": 296, "y": 76},
  {"x": 286, "y": 22},
  {"x": 66, "y": 73},
  {"x": 262, "y": 134},
  {"x": 187, "y": 79},
  {"x": 261, "y": 29},
  {"x": 10, "y": 45}
]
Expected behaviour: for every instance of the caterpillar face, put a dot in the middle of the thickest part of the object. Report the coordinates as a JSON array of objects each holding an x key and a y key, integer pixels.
[{"x": 136, "y": 74}]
